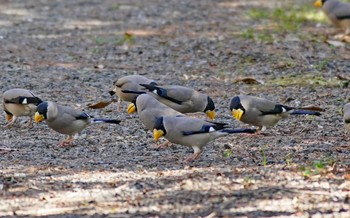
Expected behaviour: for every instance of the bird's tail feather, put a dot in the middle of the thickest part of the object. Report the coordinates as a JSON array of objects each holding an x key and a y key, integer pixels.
[
  {"x": 151, "y": 87},
  {"x": 305, "y": 112},
  {"x": 101, "y": 120},
  {"x": 133, "y": 92},
  {"x": 230, "y": 131}
]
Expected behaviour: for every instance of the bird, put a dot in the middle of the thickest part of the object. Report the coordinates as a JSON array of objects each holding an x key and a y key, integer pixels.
[
  {"x": 149, "y": 109},
  {"x": 337, "y": 12},
  {"x": 261, "y": 112},
  {"x": 19, "y": 102},
  {"x": 192, "y": 132},
  {"x": 182, "y": 99},
  {"x": 130, "y": 82},
  {"x": 66, "y": 120},
  {"x": 346, "y": 116}
]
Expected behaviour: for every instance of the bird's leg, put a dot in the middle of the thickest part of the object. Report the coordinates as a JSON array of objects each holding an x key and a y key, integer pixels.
[
  {"x": 67, "y": 142},
  {"x": 197, "y": 152},
  {"x": 118, "y": 104},
  {"x": 163, "y": 145},
  {"x": 30, "y": 122},
  {"x": 13, "y": 120}
]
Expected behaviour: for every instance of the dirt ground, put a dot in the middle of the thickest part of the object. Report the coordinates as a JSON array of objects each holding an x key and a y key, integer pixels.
[{"x": 70, "y": 52}]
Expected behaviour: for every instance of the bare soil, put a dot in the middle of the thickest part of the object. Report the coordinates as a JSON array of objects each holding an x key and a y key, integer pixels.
[{"x": 70, "y": 52}]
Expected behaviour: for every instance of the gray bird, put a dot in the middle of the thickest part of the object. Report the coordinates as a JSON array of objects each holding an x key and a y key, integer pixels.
[
  {"x": 261, "y": 112},
  {"x": 338, "y": 12},
  {"x": 182, "y": 99},
  {"x": 346, "y": 116},
  {"x": 192, "y": 132},
  {"x": 66, "y": 120},
  {"x": 149, "y": 109},
  {"x": 19, "y": 102},
  {"x": 129, "y": 83}
]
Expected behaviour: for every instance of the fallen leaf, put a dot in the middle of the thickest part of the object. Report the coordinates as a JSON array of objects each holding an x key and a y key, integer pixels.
[
  {"x": 313, "y": 108},
  {"x": 341, "y": 77},
  {"x": 335, "y": 43},
  {"x": 347, "y": 176},
  {"x": 101, "y": 104},
  {"x": 248, "y": 80},
  {"x": 346, "y": 38}
]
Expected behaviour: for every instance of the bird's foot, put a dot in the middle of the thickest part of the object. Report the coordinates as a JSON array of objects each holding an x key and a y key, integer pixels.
[
  {"x": 193, "y": 157},
  {"x": 66, "y": 143},
  {"x": 163, "y": 145},
  {"x": 30, "y": 123},
  {"x": 118, "y": 109},
  {"x": 119, "y": 102},
  {"x": 10, "y": 123}
]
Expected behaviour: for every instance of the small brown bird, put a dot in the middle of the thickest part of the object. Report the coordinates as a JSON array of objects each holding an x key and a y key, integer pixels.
[
  {"x": 19, "y": 102},
  {"x": 66, "y": 120},
  {"x": 337, "y": 12},
  {"x": 129, "y": 83}
]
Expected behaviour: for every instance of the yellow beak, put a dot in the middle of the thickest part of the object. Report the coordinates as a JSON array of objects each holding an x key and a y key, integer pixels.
[
  {"x": 131, "y": 108},
  {"x": 38, "y": 117},
  {"x": 237, "y": 113},
  {"x": 157, "y": 134},
  {"x": 8, "y": 117},
  {"x": 210, "y": 114},
  {"x": 318, "y": 3}
]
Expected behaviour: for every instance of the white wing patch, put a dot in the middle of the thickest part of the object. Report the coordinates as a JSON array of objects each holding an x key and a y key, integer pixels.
[
  {"x": 211, "y": 129},
  {"x": 155, "y": 92},
  {"x": 25, "y": 101},
  {"x": 283, "y": 110}
]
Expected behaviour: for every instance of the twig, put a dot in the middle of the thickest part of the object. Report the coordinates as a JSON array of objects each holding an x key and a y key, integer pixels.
[
  {"x": 302, "y": 56},
  {"x": 4, "y": 150}
]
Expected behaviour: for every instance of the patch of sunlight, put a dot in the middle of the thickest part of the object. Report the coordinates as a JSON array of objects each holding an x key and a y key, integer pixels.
[
  {"x": 286, "y": 18},
  {"x": 50, "y": 36},
  {"x": 258, "y": 3},
  {"x": 5, "y": 23},
  {"x": 318, "y": 16},
  {"x": 142, "y": 32},
  {"x": 274, "y": 205},
  {"x": 86, "y": 24},
  {"x": 307, "y": 79},
  {"x": 16, "y": 12}
]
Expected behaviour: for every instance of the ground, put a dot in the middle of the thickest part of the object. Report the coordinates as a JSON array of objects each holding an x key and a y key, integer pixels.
[{"x": 70, "y": 52}]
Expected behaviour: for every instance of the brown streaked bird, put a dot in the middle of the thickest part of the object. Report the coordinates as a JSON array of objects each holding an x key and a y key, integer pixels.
[
  {"x": 130, "y": 82},
  {"x": 337, "y": 12},
  {"x": 261, "y": 112},
  {"x": 192, "y": 132},
  {"x": 182, "y": 99},
  {"x": 19, "y": 102},
  {"x": 66, "y": 120}
]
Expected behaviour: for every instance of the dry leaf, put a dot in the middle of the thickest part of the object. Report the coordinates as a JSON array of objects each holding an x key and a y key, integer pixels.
[
  {"x": 335, "y": 43},
  {"x": 341, "y": 77},
  {"x": 99, "y": 105},
  {"x": 313, "y": 108},
  {"x": 346, "y": 38},
  {"x": 347, "y": 176},
  {"x": 248, "y": 80}
]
